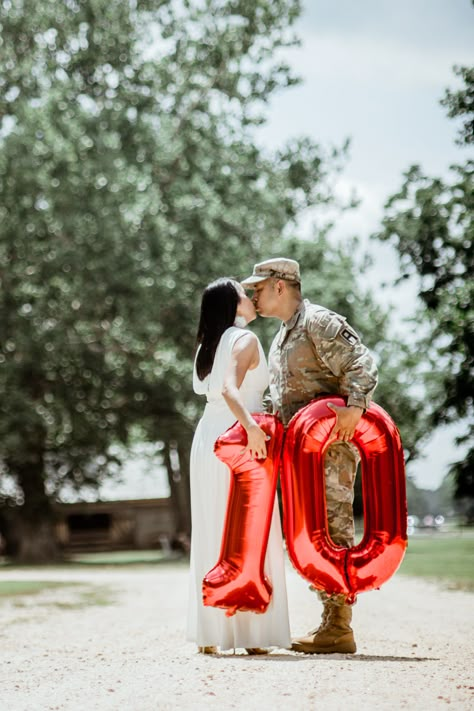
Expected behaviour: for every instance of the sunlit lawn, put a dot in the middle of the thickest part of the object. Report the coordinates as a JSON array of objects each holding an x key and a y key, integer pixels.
[
  {"x": 104, "y": 558},
  {"x": 10, "y": 588},
  {"x": 17, "y": 588},
  {"x": 444, "y": 557},
  {"x": 133, "y": 557},
  {"x": 441, "y": 557},
  {"x": 71, "y": 595}
]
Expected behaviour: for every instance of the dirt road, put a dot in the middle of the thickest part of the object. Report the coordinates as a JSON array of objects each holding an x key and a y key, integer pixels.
[{"x": 114, "y": 641}]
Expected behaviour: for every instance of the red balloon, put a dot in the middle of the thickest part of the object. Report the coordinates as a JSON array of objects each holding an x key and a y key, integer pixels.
[
  {"x": 237, "y": 581},
  {"x": 376, "y": 558}
]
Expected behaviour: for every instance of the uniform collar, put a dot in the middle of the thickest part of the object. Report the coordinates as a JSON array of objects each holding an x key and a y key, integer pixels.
[
  {"x": 292, "y": 321},
  {"x": 287, "y": 326}
]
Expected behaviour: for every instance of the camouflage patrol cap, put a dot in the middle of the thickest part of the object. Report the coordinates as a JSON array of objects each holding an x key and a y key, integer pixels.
[{"x": 279, "y": 267}]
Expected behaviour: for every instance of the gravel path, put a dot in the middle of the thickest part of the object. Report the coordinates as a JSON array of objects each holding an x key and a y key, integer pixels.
[{"x": 64, "y": 649}]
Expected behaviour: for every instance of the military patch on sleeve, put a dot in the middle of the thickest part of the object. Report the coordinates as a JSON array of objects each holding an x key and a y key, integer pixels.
[{"x": 348, "y": 336}]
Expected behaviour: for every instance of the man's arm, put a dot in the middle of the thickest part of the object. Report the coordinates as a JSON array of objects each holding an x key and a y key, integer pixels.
[{"x": 342, "y": 351}]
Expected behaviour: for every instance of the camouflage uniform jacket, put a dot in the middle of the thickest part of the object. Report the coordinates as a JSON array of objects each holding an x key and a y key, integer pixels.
[{"x": 317, "y": 352}]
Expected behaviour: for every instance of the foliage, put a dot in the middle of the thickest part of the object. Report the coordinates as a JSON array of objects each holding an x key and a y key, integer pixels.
[
  {"x": 426, "y": 502},
  {"x": 430, "y": 223},
  {"x": 128, "y": 179},
  {"x": 461, "y": 103}
]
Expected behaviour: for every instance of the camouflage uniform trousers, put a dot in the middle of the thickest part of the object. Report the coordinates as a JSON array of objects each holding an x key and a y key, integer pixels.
[{"x": 340, "y": 468}]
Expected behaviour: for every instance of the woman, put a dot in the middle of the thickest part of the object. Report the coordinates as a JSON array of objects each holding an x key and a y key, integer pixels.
[{"x": 231, "y": 370}]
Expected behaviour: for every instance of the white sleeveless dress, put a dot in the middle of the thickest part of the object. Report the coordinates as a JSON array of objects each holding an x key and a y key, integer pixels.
[{"x": 208, "y": 626}]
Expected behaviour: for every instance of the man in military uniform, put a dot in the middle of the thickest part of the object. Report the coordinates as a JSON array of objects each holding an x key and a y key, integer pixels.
[{"x": 316, "y": 352}]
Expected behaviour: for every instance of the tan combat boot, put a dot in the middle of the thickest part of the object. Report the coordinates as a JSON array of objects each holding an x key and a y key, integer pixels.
[
  {"x": 307, "y": 639},
  {"x": 207, "y": 650},
  {"x": 335, "y": 635}
]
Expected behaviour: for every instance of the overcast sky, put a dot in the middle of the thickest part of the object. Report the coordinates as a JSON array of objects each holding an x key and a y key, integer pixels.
[{"x": 375, "y": 71}]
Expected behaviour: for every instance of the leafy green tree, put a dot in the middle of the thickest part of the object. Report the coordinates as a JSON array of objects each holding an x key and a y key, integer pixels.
[
  {"x": 129, "y": 178},
  {"x": 460, "y": 104},
  {"x": 430, "y": 223}
]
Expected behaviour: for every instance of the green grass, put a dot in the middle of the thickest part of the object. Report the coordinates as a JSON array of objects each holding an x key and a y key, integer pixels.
[
  {"x": 10, "y": 588},
  {"x": 92, "y": 597},
  {"x": 106, "y": 558},
  {"x": 444, "y": 557},
  {"x": 78, "y": 596},
  {"x": 122, "y": 558},
  {"x": 449, "y": 559}
]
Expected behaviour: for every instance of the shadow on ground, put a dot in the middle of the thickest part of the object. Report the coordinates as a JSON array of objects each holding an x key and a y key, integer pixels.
[{"x": 284, "y": 656}]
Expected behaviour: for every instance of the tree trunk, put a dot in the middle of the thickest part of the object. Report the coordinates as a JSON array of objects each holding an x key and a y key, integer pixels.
[
  {"x": 176, "y": 456},
  {"x": 33, "y": 542},
  {"x": 174, "y": 480},
  {"x": 30, "y": 535},
  {"x": 184, "y": 452}
]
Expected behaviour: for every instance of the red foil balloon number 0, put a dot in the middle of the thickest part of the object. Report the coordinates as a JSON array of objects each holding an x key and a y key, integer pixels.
[
  {"x": 376, "y": 558},
  {"x": 237, "y": 581}
]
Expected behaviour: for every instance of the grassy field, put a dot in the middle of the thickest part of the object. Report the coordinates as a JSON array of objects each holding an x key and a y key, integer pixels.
[
  {"x": 10, "y": 588},
  {"x": 150, "y": 557},
  {"x": 448, "y": 558}
]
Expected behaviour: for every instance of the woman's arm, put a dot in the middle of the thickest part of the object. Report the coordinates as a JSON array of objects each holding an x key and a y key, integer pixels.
[{"x": 244, "y": 357}]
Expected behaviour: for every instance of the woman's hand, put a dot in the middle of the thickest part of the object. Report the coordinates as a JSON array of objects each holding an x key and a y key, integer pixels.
[{"x": 256, "y": 444}]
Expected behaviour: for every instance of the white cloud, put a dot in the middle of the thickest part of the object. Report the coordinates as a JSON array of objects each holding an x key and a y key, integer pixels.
[
  {"x": 364, "y": 59},
  {"x": 439, "y": 453}
]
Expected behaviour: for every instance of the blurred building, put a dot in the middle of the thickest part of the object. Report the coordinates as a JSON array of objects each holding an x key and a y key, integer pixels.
[
  {"x": 114, "y": 525},
  {"x": 129, "y": 510}
]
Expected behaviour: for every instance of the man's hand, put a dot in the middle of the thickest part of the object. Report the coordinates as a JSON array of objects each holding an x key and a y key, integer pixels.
[{"x": 347, "y": 419}]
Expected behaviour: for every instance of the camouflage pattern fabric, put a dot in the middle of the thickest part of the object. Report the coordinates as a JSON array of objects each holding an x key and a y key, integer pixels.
[
  {"x": 336, "y": 600},
  {"x": 317, "y": 352},
  {"x": 340, "y": 468}
]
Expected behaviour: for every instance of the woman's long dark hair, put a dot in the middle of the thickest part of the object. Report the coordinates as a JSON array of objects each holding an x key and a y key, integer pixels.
[{"x": 218, "y": 310}]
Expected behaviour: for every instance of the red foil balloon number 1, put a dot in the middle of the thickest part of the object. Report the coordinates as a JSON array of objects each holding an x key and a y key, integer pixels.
[
  {"x": 237, "y": 581},
  {"x": 376, "y": 558}
]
